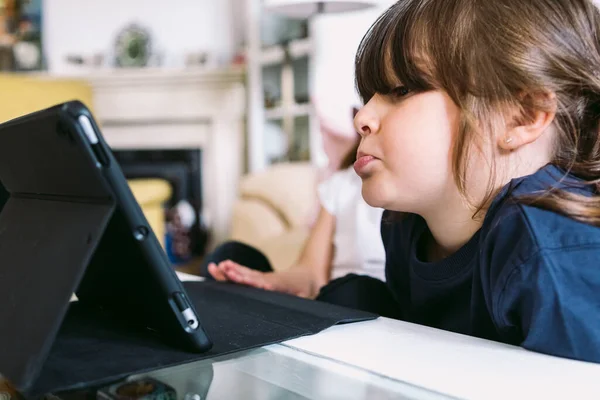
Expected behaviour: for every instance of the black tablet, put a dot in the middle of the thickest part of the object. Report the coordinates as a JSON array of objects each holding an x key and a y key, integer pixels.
[{"x": 71, "y": 224}]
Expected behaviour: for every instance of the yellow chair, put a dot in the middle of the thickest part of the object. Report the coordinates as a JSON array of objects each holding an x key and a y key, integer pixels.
[
  {"x": 151, "y": 194},
  {"x": 20, "y": 95}
]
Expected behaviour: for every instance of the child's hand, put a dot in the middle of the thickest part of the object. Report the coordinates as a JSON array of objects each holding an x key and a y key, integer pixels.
[
  {"x": 234, "y": 272},
  {"x": 229, "y": 271}
]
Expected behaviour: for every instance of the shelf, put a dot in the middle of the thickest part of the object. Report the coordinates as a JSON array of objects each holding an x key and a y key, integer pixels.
[
  {"x": 275, "y": 54},
  {"x": 297, "y": 110}
]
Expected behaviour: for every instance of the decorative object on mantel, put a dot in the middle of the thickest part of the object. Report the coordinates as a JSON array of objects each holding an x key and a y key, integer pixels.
[
  {"x": 133, "y": 46},
  {"x": 196, "y": 59},
  {"x": 239, "y": 58},
  {"x": 94, "y": 60},
  {"x": 200, "y": 59},
  {"x": 21, "y": 35}
]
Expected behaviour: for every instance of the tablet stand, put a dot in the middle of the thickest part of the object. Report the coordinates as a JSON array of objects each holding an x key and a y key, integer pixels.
[{"x": 45, "y": 247}]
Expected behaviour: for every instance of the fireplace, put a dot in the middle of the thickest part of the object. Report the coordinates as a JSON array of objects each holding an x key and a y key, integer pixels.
[
  {"x": 186, "y": 126},
  {"x": 182, "y": 169}
]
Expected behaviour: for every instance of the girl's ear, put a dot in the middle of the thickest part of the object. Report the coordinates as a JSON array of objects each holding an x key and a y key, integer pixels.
[{"x": 528, "y": 128}]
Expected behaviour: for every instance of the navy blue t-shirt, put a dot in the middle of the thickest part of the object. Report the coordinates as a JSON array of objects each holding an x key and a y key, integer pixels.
[{"x": 528, "y": 277}]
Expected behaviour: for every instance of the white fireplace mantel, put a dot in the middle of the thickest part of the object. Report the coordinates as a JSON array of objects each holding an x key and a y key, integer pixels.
[{"x": 187, "y": 109}]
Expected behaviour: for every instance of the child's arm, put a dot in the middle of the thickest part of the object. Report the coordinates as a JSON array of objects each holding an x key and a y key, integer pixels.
[
  {"x": 317, "y": 255},
  {"x": 304, "y": 278},
  {"x": 551, "y": 303}
]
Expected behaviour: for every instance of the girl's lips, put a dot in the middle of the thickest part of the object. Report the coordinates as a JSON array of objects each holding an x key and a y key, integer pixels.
[{"x": 362, "y": 163}]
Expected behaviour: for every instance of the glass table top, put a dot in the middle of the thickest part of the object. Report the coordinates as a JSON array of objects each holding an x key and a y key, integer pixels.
[{"x": 280, "y": 372}]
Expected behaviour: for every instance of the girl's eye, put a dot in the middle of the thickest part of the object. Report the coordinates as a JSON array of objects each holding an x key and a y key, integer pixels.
[{"x": 400, "y": 91}]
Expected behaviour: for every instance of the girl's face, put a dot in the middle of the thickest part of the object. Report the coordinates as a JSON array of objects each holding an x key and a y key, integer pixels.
[{"x": 405, "y": 156}]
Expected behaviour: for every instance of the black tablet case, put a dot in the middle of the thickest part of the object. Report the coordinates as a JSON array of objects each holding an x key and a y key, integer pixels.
[
  {"x": 50, "y": 227},
  {"x": 91, "y": 350}
]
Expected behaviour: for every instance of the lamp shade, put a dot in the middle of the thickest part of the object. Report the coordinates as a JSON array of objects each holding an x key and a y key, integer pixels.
[{"x": 307, "y": 8}]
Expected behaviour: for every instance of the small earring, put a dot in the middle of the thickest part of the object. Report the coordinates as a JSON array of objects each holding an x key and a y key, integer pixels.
[{"x": 508, "y": 140}]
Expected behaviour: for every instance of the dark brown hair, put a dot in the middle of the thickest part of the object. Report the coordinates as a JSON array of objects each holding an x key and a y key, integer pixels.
[{"x": 490, "y": 56}]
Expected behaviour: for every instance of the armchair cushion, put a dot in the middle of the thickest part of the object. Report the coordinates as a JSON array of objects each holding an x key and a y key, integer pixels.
[
  {"x": 274, "y": 211},
  {"x": 289, "y": 188}
]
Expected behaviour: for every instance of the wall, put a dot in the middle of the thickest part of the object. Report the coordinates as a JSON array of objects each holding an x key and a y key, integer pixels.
[{"x": 177, "y": 26}]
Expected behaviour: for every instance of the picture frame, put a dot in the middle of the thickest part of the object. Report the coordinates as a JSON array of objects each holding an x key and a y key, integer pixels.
[{"x": 21, "y": 45}]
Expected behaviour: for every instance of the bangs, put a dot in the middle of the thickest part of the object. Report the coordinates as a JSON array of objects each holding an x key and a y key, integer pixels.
[
  {"x": 395, "y": 52},
  {"x": 421, "y": 44}
]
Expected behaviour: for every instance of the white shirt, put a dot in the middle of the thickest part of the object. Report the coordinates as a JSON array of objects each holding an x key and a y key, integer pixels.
[{"x": 357, "y": 238}]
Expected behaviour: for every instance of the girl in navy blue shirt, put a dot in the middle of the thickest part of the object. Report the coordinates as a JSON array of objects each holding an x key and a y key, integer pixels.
[{"x": 480, "y": 137}]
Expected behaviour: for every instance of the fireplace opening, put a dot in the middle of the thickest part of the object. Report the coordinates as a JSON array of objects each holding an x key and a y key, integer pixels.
[{"x": 182, "y": 169}]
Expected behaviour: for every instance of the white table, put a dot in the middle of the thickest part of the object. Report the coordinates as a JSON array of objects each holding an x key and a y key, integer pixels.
[{"x": 396, "y": 358}]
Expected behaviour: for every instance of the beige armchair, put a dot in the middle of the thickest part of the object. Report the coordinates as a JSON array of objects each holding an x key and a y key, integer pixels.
[{"x": 274, "y": 211}]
